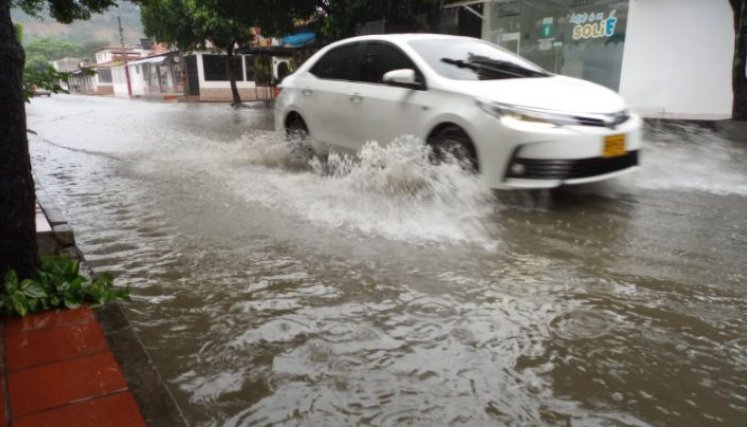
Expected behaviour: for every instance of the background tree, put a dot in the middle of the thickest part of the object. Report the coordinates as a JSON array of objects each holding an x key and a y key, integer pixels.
[
  {"x": 36, "y": 63},
  {"x": 739, "y": 81},
  {"x": 342, "y": 17},
  {"x": 193, "y": 24},
  {"x": 18, "y": 248},
  {"x": 51, "y": 49}
]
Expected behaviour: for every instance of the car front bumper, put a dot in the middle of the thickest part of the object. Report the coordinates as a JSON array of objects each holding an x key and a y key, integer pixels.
[{"x": 540, "y": 156}]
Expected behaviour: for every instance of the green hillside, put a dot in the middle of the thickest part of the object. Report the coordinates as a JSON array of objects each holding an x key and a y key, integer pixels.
[{"x": 100, "y": 29}]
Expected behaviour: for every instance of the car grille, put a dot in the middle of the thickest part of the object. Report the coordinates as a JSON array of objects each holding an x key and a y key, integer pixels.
[
  {"x": 569, "y": 168},
  {"x": 608, "y": 120}
]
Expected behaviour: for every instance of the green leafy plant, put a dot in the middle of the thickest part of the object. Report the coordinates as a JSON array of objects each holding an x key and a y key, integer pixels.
[{"x": 57, "y": 284}]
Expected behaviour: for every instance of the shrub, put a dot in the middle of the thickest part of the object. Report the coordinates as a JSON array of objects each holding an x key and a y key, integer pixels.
[{"x": 58, "y": 283}]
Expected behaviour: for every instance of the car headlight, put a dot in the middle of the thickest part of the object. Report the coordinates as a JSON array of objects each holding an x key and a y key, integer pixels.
[{"x": 525, "y": 114}]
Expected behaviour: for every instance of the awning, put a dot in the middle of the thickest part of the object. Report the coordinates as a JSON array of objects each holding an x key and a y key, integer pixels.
[
  {"x": 275, "y": 50},
  {"x": 293, "y": 41},
  {"x": 298, "y": 40},
  {"x": 156, "y": 60},
  {"x": 459, "y": 3}
]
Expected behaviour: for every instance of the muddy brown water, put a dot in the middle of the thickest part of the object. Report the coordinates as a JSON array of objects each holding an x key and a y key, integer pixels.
[{"x": 393, "y": 292}]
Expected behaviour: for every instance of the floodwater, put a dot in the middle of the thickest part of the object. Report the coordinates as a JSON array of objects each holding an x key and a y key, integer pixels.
[{"x": 392, "y": 292}]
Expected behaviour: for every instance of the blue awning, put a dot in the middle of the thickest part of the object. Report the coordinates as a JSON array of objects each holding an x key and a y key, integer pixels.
[{"x": 297, "y": 40}]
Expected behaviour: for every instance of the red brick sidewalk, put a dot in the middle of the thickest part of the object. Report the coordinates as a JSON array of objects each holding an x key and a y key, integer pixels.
[{"x": 59, "y": 371}]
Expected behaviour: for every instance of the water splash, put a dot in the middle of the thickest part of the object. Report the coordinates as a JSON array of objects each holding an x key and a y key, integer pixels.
[
  {"x": 687, "y": 157},
  {"x": 390, "y": 191},
  {"x": 273, "y": 151}
]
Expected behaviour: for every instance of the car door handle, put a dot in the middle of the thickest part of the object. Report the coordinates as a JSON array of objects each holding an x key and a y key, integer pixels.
[
  {"x": 306, "y": 92},
  {"x": 356, "y": 98}
]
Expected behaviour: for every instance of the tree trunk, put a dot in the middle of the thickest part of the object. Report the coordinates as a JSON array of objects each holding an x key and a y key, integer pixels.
[
  {"x": 229, "y": 66},
  {"x": 18, "y": 248},
  {"x": 739, "y": 80}
]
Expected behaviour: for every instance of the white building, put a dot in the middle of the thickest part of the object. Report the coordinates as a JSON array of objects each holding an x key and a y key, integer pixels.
[
  {"x": 208, "y": 77},
  {"x": 115, "y": 53},
  {"x": 668, "y": 58},
  {"x": 107, "y": 60},
  {"x": 156, "y": 75},
  {"x": 68, "y": 64}
]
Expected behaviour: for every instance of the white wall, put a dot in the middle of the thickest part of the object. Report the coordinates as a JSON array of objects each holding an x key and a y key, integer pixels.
[
  {"x": 678, "y": 58},
  {"x": 137, "y": 79},
  {"x": 103, "y": 56},
  {"x": 119, "y": 81}
]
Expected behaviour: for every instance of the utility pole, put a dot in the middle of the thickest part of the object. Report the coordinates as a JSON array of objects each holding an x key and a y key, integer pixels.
[{"x": 124, "y": 55}]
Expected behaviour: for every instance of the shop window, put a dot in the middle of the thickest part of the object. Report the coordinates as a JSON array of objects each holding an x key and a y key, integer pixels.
[{"x": 581, "y": 38}]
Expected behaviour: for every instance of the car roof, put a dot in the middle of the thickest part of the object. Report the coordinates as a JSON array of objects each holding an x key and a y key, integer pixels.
[{"x": 402, "y": 37}]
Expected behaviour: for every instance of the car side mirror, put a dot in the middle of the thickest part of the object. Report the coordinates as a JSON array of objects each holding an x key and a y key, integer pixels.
[{"x": 404, "y": 77}]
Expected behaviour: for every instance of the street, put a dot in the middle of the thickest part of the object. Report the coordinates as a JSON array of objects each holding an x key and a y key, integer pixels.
[{"x": 393, "y": 292}]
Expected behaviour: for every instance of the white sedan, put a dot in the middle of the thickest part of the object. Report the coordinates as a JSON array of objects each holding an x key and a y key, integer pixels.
[{"x": 517, "y": 124}]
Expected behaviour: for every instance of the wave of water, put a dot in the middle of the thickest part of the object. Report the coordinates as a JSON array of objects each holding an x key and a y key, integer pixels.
[
  {"x": 689, "y": 158},
  {"x": 390, "y": 191}
]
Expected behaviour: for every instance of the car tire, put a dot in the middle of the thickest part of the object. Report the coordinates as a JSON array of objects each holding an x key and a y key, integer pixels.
[
  {"x": 296, "y": 129},
  {"x": 453, "y": 141},
  {"x": 298, "y": 138}
]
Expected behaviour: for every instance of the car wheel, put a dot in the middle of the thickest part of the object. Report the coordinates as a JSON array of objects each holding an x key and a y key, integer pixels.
[
  {"x": 452, "y": 141},
  {"x": 297, "y": 136},
  {"x": 296, "y": 129}
]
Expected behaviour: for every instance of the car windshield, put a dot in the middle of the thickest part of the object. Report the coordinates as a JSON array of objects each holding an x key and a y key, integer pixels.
[{"x": 472, "y": 59}]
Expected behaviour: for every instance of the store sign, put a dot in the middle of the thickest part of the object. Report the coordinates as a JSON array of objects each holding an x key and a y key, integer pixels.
[
  {"x": 593, "y": 25},
  {"x": 546, "y": 27}
]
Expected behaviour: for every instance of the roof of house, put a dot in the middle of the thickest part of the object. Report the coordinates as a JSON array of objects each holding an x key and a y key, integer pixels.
[{"x": 118, "y": 49}]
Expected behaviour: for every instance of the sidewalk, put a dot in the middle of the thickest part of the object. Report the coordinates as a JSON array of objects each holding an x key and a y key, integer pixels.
[
  {"x": 78, "y": 368},
  {"x": 58, "y": 370}
]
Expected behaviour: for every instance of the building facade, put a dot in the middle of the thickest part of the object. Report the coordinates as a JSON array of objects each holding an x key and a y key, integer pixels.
[
  {"x": 116, "y": 54},
  {"x": 107, "y": 61},
  {"x": 208, "y": 78},
  {"x": 78, "y": 82},
  {"x": 668, "y": 58},
  {"x": 157, "y": 75}
]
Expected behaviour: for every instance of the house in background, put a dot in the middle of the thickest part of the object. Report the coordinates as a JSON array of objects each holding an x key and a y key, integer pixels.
[
  {"x": 108, "y": 58},
  {"x": 103, "y": 80},
  {"x": 68, "y": 65},
  {"x": 160, "y": 72},
  {"x": 109, "y": 54},
  {"x": 159, "y": 75},
  {"x": 78, "y": 82},
  {"x": 208, "y": 78},
  {"x": 667, "y": 58}
]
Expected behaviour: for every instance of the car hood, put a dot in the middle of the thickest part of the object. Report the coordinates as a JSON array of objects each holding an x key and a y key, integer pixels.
[{"x": 558, "y": 93}]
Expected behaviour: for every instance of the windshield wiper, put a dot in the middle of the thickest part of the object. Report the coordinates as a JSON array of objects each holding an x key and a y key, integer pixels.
[{"x": 507, "y": 68}]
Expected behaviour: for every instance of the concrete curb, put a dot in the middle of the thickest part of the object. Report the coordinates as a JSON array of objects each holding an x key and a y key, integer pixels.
[
  {"x": 58, "y": 238},
  {"x": 156, "y": 403}
]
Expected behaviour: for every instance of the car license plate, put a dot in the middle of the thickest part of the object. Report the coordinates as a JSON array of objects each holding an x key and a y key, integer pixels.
[{"x": 614, "y": 146}]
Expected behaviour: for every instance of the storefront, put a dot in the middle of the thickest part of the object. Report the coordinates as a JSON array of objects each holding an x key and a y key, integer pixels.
[{"x": 668, "y": 58}]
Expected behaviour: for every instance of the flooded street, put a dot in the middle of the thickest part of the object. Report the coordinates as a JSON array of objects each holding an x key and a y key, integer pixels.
[{"x": 393, "y": 292}]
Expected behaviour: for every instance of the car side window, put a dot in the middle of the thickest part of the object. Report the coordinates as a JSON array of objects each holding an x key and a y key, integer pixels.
[
  {"x": 340, "y": 63},
  {"x": 382, "y": 57}
]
